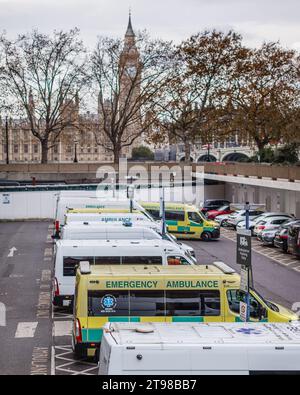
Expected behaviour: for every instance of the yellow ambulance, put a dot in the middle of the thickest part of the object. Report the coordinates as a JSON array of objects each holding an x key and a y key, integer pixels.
[
  {"x": 185, "y": 221},
  {"x": 160, "y": 294}
]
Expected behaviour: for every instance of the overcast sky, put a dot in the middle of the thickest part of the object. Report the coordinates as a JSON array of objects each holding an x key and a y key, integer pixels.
[{"x": 257, "y": 20}]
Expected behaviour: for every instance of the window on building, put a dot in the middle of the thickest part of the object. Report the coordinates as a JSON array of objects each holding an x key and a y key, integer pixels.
[
  {"x": 35, "y": 149},
  {"x": 16, "y": 149},
  {"x": 26, "y": 149}
]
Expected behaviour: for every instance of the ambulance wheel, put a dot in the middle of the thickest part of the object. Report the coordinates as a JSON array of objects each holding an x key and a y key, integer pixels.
[
  {"x": 77, "y": 350},
  {"x": 205, "y": 236},
  {"x": 97, "y": 355}
]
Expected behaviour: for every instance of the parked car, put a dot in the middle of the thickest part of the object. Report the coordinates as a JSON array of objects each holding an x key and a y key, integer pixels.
[
  {"x": 212, "y": 214},
  {"x": 269, "y": 223},
  {"x": 267, "y": 236},
  {"x": 282, "y": 234},
  {"x": 262, "y": 216},
  {"x": 294, "y": 240},
  {"x": 234, "y": 219},
  {"x": 222, "y": 219},
  {"x": 213, "y": 204}
]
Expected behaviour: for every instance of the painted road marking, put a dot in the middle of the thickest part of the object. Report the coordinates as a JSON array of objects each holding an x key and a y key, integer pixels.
[
  {"x": 44, "y": 304},
  {"x": 62, "y": 328},
  {"x": 26, "y": 330},
  {"x": 275, "y": 256},
  {"x": 39, "y": 362},
  {"x": 11, "y": 252},
  {"x": 46, "y": 276},
  {"x": 48, "y": 252},
  {"x": 67, "y": 364}
]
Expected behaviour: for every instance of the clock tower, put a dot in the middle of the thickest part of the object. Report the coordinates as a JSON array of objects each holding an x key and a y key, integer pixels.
[{"x": 130, "y": 84}]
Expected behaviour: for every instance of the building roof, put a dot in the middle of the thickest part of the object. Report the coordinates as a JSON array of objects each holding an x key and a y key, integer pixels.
[{"x": 129, "y": 32}]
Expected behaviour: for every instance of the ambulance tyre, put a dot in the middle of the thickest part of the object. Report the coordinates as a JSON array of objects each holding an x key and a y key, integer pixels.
[
  {"x": 205, "y": 236},
  {"x": 77, "y": 350},
  {"x": 97, "y": 355}
]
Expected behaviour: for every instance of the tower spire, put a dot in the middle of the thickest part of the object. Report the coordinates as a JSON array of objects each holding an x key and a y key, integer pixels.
[{"x": 129, "y": 32}]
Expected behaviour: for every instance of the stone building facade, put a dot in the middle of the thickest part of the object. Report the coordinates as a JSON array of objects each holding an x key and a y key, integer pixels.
[{"x": 74, "y": 143}]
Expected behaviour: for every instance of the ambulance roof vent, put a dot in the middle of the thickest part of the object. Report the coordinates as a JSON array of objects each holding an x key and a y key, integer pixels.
[
  {"x": 225, "y": 268},
  {"x": 144, "y": 329},
  {"x": 85, "y": 267}
]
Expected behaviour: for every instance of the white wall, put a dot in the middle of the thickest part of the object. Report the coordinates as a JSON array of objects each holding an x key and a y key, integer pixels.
[
  {"x": 27, "y": 205},
  {"x": 274, "y": 199}
]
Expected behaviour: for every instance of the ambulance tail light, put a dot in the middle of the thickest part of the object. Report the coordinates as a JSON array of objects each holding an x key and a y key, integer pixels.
[
  {"x": 57, "y": 226},
  {"x": 261, "y": 227},
  {"x": 77, "y": 330},
  {"x": 56, "y": 287}
]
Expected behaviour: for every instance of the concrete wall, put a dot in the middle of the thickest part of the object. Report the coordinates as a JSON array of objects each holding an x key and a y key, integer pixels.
[
  {"x": 84, "y": 171},
  {"x": 274, "y": 199},
  {"x": 27, "y": 205},
  {"x": 214, "y": 191}
]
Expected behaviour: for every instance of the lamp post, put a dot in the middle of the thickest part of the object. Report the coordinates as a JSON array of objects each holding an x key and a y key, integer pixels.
[
  {"x": 7, "y": 140},
  {"x": 75, "y": 153},
  {"x": 130, "y": 190}
]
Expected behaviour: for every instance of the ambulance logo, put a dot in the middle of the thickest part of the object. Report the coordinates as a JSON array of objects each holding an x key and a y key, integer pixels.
[
  {"x": 249, "y": 331},
  {"x": 108, "y": 302}
]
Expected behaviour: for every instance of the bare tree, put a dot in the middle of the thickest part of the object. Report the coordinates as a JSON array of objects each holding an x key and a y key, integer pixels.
[
  {"x": 264, "y": 95},
  {"x": 129, "y": 77},
  {"x": 202, "y": 67},
  {"x": 44, "y": 74}
]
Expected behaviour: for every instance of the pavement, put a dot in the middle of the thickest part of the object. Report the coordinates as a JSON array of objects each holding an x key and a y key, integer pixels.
[{"x": 37, "y": 339}]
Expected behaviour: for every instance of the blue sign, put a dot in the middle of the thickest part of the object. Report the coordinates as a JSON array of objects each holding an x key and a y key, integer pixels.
[{"x": 249, "y": 331}]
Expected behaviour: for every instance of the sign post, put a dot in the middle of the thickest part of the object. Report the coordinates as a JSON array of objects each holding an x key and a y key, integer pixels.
[
  {"x": 162, "y": 212},
  {"x": 244, "y": 258}
]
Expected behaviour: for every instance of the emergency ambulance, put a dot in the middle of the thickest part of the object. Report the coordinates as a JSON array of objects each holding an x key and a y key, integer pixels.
[
  {"x": 69, "y": 253},
  {"x": 160, "y": 294},
  {"x": 185, "y": 221}
]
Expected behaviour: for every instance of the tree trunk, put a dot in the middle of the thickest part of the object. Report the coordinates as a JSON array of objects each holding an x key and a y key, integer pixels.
[
  {"x": 261, "y": 146},
  {"x": 44, "y": 145},
  {"x": 117, "y": 153},
  {"x": 187, "y": 151}
]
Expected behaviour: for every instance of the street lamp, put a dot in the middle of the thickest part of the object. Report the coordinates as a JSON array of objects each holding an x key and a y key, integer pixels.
[
  {"x": 208, "y": 152},
  {"x": 130, "y": 190},
  {"x": 75, "y": 154},
  {"x": 7, "y": 140}
]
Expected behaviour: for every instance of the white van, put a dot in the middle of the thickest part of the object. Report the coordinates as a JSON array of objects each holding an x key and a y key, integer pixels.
[
  {"x": 118, "y": 231},
  {"x": 107, "y": 218},
  {"x": 65, "y": 203},
  {"x": 199, "y": 349},
  {"x": 91, "y": 231},
  {"x": 69, "y": 253}
]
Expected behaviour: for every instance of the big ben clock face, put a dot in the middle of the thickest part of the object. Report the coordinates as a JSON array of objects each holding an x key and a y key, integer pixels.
[{"x": 131, "y": 71}]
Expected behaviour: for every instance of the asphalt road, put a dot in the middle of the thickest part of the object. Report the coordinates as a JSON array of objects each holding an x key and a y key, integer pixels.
[
  {"x": 37, "y": 340},
  {"x": 25, "y": 286}
]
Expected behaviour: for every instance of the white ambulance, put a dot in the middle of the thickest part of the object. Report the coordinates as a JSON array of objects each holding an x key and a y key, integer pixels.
[
  {"x": 120, "y": 231},
  {"x": 200, "y": 349}
]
